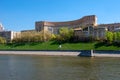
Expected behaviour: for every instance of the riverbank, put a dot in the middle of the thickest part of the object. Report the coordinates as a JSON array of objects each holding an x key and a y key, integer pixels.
[
  {"x": 51, "y": 45},
  {"x": 46, "y": 53},
  {"x": 84, "y": 53},
  {"x": 106, "y": 53}
]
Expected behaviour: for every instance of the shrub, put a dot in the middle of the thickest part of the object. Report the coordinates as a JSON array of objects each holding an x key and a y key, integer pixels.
[{"x": 2, "y": 40}]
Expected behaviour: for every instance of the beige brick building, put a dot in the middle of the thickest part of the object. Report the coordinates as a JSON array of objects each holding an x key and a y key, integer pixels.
[
  {"x": 86, "y": 26},
  {"x": 55, "y": 26}
]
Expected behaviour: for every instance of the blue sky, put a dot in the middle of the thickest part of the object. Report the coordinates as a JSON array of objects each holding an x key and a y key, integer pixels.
[{"x": 20, "y": 15}]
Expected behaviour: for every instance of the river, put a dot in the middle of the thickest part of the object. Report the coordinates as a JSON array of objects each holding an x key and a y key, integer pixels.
[{"x": 14, "y": 67}]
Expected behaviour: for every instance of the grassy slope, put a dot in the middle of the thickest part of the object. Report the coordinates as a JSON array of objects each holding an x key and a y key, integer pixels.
[{"x": 54, "y": 46}]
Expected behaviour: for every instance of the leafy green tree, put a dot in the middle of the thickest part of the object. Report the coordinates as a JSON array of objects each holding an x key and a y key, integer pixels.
[
  {"x": 65, "y": 34},
  {"x": 117, "y": 36},
  {"x": 114, "y": 36},
  {"x": 109, "y": 36}
]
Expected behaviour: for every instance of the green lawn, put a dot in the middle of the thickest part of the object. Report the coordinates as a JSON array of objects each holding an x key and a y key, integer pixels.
[{"x": 54, "y": 46}]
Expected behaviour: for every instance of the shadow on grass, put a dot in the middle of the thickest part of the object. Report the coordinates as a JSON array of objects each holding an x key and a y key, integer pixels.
[
  {"x": 35, "y": 43},
  {"x": 23, "y": 44},
  {"x": 57, "y": 42},
  {"x": 15, "y": 44},
  {"x": 116, "y": 44},
  {"x": 69, "y": 42},
  {"x": 100, "y": 44}
]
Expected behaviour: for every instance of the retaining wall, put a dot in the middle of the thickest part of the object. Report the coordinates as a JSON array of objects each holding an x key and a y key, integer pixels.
[{"x": 82, "y": 53}]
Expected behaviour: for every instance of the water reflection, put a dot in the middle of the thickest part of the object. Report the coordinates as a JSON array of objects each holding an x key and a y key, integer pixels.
[{"x": 58, "y": 68}]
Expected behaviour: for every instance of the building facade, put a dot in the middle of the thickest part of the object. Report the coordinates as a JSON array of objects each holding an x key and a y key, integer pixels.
[
  {"x": 55, "y": 26},
  {"x": 84, "y": 27}
]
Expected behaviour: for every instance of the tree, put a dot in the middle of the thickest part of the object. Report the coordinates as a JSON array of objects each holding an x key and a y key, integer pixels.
[
  {"x": 117, "y": 36},
  {"x": 65, "y": 34},
  {"x": 33, "y": 37},
  {"x": 109, "y": 36},
  {"x": 2, "y": 40},
  {"x": 114, "y": 36}
]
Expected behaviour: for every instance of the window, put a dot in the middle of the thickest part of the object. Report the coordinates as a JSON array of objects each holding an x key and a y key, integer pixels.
[{"x": 50, "y": 29}]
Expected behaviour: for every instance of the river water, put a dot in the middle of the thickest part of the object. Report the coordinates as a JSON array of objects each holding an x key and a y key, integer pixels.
[{"x": 58, "y": 68}]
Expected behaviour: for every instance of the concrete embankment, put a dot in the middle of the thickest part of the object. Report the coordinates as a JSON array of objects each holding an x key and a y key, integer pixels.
[
  {"x": 106, "y": 53},
  {"x": 83, "y": 53},
  {"x": 49, "y": 53}
]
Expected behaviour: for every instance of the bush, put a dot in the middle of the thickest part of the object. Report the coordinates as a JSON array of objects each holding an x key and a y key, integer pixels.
[{"x": 2, "y": 40}]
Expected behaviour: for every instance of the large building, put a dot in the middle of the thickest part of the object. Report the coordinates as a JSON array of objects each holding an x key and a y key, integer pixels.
[
  {"x": 86, "y": 26},
  {"x": 55, "y": 26}
]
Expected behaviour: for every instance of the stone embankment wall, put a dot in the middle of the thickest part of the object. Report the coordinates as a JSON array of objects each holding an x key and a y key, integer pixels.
[
  {"x": 82, "y": 53},
  {"x": 49, "y": 53},
  {"x": 107, "y": 53}
]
